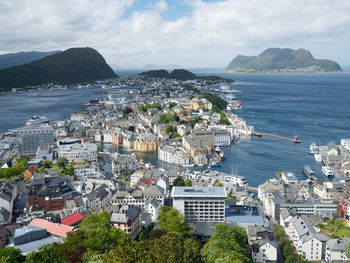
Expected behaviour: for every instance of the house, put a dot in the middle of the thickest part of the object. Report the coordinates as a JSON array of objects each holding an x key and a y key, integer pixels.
[
  {"x": 8, "y": 193},
  {"x": 54, "y": 229},
  {"x": 73, "y": 219},
  {"x": 29, "y": 172},
  {"x": 264, "y": 251},
  {"x": 335, "y": 250},
  {"x": 127, "y": 219},
  {"x": 154, "y": 208}
]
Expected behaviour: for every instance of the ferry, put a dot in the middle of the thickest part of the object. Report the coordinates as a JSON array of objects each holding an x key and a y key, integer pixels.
[
  {"x": 37, "y": 120},
  {"x": 308, "y": 172},
  {"x": 328, "y": 171},
  {"x": 313, "y": 148}
]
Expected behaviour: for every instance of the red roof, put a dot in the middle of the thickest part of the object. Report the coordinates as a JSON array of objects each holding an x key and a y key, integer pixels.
[
  {"x": 147, "y": 180},
  {"x": 72, "y": 219},
  {"x": 181, "y": 115},
  {"x": 52, "y": 228},
  {"x": 32, "y": 169}
]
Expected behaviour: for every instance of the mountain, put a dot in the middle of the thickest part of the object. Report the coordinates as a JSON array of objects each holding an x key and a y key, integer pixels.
[
  {"x": 74, "y": 65},
  {"x": 20, "y": 58},
  {"x": 180, "y": 74},
  {"x": 282, "y": 60}
]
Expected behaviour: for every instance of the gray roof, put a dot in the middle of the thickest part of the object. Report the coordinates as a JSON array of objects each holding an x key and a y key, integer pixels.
[
  {"x": 4, "y": 215},
  {"x": 338, "y": 244},
  {"x": 154, "y": 190},
  {"x": 125, "y": 213},
  {"x": 34, "y": 245},
  {"x": 186, "y": 191},
  {"x": 155, "y": 203}
]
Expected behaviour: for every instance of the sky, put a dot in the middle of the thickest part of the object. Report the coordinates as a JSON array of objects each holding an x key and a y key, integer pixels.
[{"x": 189, "y": 33}]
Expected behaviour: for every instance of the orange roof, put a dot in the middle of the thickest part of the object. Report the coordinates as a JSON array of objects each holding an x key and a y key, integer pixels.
[
  {"x": 147, "y": 180},
  {"x": 52, "y": 228},
  {"x": 72, "y": 219},
  {"x": 31, "y": 169}
]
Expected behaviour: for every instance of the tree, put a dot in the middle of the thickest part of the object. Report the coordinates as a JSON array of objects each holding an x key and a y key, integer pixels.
[
  {"x": 50, "y": 253},
  {"x": 218, "y": 184},
  {"x": 188, "y": 182},
  {"x": 347, "y": 250},
  {"x": 47, "y": 164},
  {"x": 11, "y": 255},
  {"x": 62, "y": 162},
  {"x": 226, "y": 243},
  {"x": 99, "y": 149},
  {"x": 172, "y": 221}
]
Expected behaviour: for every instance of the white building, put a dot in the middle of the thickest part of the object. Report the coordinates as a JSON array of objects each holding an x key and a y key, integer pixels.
[
  {"x": 173, "y": 153},
  {"x": 199, "y": 204},
  {"x": 306, "y": 240},
  {"x": 335, "y": 250},
  {"x": 264, "y": 251},
  {"x": 78, "y": 152},
  {"x": 154, "y": 209},
  {"x": 345, "y": 143},
  {"x": 289, "y": 177}
]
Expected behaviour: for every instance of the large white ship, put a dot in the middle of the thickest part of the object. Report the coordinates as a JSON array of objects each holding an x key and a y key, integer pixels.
[
  {"x": 328, "y": 171},
  {"x": 37, "y": 120}
]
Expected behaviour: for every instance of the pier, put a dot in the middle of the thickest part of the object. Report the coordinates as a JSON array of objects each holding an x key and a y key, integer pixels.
[{"x": 260, "y": 134}]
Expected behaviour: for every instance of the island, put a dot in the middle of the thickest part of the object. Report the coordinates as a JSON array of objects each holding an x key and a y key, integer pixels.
[{"x": 282, "y": 60}]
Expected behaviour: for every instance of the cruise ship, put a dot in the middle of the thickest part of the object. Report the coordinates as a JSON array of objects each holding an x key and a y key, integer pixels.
[
  {"x": 328, "y": 171},
  {"x": 37, "y": 120}
]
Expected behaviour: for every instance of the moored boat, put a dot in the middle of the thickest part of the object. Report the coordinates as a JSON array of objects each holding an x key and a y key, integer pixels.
[{"x": 328, "y": 171}]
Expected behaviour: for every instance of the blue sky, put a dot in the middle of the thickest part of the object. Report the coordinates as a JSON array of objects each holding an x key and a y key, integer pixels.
[{"x": 190, "y": 33}]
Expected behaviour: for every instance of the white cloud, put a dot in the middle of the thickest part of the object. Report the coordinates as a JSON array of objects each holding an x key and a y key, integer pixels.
[{"x": 211, "y": 35}]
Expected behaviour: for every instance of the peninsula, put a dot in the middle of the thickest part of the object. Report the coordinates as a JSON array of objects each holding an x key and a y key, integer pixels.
[{"x": 282, "y": 60}]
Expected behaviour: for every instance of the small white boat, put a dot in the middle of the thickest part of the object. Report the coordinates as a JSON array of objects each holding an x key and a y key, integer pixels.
[
  {"x": 188, "y": 165},
  {"x": 328, "y": 171},
  {"x": 313, "y": 148},
  {"x": 318, "y": 157},
  {"x": 217, "y": 149}
]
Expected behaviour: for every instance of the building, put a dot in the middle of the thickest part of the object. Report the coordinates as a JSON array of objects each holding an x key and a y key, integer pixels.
[
  {"x": 49, "y": 193},
  {"x": 45, "y": 152},
  {"x": 289, "y": 177},
  {"x": 244, "y": 215},
  {"x": 128, "y": 219},
  {"x": 200, "y": 203},
  {"x": 73, "y": 219},
  {"x": 8, "y": 193},
  {"x": 306, "y": 240},
  {"x": 345, "y": 143},
  {"x": 146, "y": 144},
  {"x": 154, "y": 209},
  {"x": 335, "y": 250},
  {"x": 86, "y": 152},
  {"x": 172, "y": 152},
  {"x": 264, "y": 251},
  {"x": 221, "y": 137},
  {"x": 199, "y": 148},
  {"x": 58, "y": 230},
  {"x": 29, "y": 138}
]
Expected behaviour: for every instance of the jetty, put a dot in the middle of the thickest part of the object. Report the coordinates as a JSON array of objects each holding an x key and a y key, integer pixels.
[{"x": 260, "y": 134}]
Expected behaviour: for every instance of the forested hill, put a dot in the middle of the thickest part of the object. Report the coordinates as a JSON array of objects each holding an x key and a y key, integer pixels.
[
  {"x": 74, "y": 65},
  {"x": 20, "y": 58}
]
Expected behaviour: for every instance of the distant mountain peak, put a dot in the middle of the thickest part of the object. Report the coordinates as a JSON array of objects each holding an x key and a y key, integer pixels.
[{"x": 282, "y": 59}]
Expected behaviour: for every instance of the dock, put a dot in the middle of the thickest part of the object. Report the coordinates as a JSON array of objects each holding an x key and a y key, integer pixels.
[{"x": 260, "y": 134}]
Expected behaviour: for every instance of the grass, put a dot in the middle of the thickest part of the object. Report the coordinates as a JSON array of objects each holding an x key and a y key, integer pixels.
[{"x": 335, "y": 228}]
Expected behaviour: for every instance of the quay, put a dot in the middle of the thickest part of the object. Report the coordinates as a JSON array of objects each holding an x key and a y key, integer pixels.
[{"x": 260, "y": 134}]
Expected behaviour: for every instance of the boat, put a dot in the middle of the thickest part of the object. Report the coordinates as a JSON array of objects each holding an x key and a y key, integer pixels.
[
  {"x": 296, "y": 140},
  {"x": 328, "y": 171},
  {"x": 222, "y": 156},
  {"x": 188, "y": 165},
  {"x": 313, "y": 148},
  {"x": 308, "y": 172},
  {"x": 217, "y": 149},
  {"x": 318, "y": 157},
  {"x": 214, "y": 165},
  {"x": 37, "y": 120},
  {"x": 257, "y": 134}
]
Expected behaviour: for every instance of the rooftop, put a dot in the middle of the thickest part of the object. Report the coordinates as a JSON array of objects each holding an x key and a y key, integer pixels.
[{"x": 186, "y": 191}]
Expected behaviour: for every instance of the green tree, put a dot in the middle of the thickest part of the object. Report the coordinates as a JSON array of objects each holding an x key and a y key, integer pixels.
[
  {"x": 47, "y": 164},
  {"x": 50, "y": 253},
  {"x": 347, "y": 250},
  {"x": 218, "y": 184},
  {"x": 99, "y": 149},
  {"x": 172, "y": 221},
  {"x": 188, "y": 182},
  {"x": 62, "y": 162},
  {"x": 227, "y": 242},
  {"x": 11, "y": 255}
]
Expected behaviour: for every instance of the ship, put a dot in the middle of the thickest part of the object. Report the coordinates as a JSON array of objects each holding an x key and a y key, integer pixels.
[
  {"x": 308, "y": 172},
  {"x": 313, "y": 148},
  {"x": 37, "y": 120},
  {"x": 328, "y": 171},
  {"x": 318, "y": 157},
  {"x": 214, "y": 165}
]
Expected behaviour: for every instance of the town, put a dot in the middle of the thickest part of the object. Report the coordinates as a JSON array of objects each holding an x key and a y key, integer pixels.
[{"x": 57, "y": 174}]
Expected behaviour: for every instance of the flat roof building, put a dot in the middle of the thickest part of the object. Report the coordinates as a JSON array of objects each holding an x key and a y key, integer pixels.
[{"x": 200, "y": 204}]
